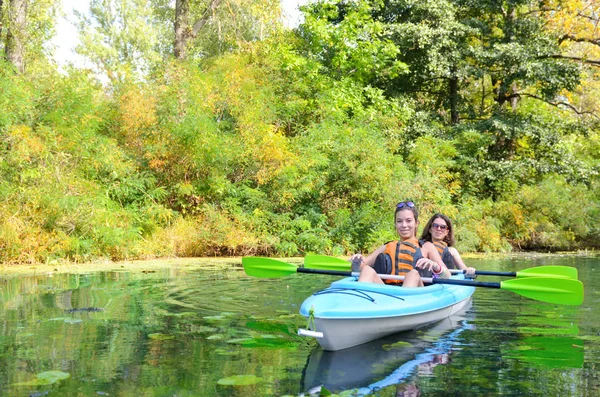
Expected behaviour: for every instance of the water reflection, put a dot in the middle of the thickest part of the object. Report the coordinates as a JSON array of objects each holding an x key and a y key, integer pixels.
[
  {"x": 547, "y": 351},
  {"x": 384, "y": 362}
]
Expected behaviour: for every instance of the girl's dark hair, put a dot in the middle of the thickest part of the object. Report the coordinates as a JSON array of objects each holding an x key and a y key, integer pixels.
[
  {"x": 449, "y": 239},
  {"x": 407, "y": 205}
]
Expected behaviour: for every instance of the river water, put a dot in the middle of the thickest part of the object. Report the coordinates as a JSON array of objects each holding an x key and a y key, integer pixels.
[{"x": 210, "y": 330}]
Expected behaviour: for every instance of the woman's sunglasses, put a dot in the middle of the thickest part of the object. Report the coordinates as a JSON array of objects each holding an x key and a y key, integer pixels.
[
  {"x": 438, "y": 226},
  {"x": 403, "y": 204}
]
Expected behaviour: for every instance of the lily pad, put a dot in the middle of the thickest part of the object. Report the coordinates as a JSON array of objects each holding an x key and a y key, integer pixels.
[
  {"x": 397, "y": 345},
  {"x": 241, "y": 341},
  {"x": 239, "y": 380},
  {"x": 45, "y": 378},
  {"x": 159, "y": 336},
  {"x": 264, "y": 341},
  {"x": 53, "y": 376},
  {"x": 214, "y": 318},
  {"x": 523, "y": 348},
  {"x": 204, "y": 329},
  {"x": 223, "y": 352}
]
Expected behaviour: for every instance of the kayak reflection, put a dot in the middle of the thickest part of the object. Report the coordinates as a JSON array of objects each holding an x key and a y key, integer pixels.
[{"x": 386, "y": 361}]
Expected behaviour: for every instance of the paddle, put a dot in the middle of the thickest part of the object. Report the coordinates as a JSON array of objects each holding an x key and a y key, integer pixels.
[
  {"x": 539, "y": 271},
  {"x": 546, "y": 289},
  {"x": 332, "y": 263}
]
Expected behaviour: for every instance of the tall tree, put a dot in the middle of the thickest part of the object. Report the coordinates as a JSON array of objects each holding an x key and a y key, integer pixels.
[
  {"x": 119, "y": 38},
  {"x": 16, "y": 34},
  {"x": 210, "y": 27},
  {"x": 184, "y": 29}
]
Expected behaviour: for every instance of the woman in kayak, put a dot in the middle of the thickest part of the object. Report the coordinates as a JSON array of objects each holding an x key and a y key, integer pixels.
[
  {"x": 404, "y": 256},
  {"x": 440, "y": 232}
]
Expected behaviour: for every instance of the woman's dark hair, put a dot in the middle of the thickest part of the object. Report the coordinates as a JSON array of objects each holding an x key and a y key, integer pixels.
[
  {"x": 407, "y": 205},
  {"x": 449, "y": 239}
]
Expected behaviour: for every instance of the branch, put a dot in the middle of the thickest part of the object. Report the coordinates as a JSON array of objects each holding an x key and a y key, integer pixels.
[
  {"x": 579, "y": 39},
  {"x": 199, "y": 24},
  {"x": 591, "y": 18},
  {"x": 593, "y": 62},
  {"x": 559, "y": 104}
]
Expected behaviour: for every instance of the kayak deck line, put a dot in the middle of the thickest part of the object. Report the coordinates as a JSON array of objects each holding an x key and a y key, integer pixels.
[
  {"x": 372, "y": 300},
  {"x": 362, "y": 293}
]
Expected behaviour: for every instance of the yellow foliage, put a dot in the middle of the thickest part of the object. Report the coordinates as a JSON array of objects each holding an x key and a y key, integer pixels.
[
  {"x": 137, "y": 115},
  {"x": 575, "y": 19},
  {"x": 272, "y": 154},
  {"x": 490, "y": 239},
  {"x": 211, "y": 233},
  {"x": 25, "y": 145}
]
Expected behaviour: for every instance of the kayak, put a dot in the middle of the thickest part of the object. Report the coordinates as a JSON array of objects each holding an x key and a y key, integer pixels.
[{"x": 350, "y": 313}]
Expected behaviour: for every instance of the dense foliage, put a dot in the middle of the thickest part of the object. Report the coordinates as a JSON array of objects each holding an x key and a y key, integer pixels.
[{"x": 302, "y": 141}]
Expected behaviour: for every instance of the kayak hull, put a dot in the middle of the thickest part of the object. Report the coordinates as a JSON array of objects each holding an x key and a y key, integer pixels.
[{"x": 350, "y": 313}]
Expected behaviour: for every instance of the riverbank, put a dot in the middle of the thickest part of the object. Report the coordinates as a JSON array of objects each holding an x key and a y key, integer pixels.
[{"x": 197, "y": 262}]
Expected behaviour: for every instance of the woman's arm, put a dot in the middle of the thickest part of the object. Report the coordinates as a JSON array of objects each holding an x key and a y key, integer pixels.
[
  {"x": 435, "y": 262},
  {"x": 370, "y": 259},
  {"x": 459, "y": 262}
]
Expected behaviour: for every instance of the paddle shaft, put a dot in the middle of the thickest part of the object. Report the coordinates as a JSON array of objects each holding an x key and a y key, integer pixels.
[
  {"x": 486, "y": 273},
  {"x": 333, "y": 263},
  {"x": 425, "y": 280}
]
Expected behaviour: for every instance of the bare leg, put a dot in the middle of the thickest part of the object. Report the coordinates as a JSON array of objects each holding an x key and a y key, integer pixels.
[
  {"x": 412, "y": 279},
  {"x": 368, "y": 275}
]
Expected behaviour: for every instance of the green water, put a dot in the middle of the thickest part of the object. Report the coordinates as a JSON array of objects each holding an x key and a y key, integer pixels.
[{"x": 206, "y": 331}]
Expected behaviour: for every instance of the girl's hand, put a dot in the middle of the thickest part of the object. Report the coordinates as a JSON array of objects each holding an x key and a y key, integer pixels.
[
  {"x": 357, "y": 261},
  {"x": 470, "y": 271},
  {"x": 428, "y": 264}
]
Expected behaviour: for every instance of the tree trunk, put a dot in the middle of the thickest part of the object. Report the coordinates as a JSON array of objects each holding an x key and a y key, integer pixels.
[
  {"x": 454, "y": 116},
  {"x": 182, "y": 28},
  {"x": 184, "y": 31},
  {"x": 514, "y": 98},
  {"x": 17, "y": 31}
]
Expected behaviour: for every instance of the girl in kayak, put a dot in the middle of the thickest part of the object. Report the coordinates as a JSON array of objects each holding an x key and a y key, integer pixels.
[
  {"x": 439, "y": 231},
  {"x": 404, "y": 256}
]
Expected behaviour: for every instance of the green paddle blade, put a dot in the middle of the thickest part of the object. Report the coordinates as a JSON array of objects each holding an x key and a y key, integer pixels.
[
  {"x": 549, "y": 271},
  {"x": 561, "y": 291},
  {"x": 266, "y": 267},
  {"x": 325, "y": 262}
]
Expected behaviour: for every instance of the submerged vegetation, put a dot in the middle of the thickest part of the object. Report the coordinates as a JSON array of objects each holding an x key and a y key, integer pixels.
[{"x": 283, "y": 142}]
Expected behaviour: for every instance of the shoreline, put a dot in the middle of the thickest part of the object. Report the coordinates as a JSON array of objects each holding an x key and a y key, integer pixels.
[{"x": 56, "y": 267}]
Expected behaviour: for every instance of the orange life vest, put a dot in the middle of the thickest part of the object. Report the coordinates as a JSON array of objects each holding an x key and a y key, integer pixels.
[
  {"x": 403, "y": 255},
  {"x": 442, "y": 248}
]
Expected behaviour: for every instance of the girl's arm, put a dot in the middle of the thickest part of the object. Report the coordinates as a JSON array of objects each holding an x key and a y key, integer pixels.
[
  {"x": 459, "y": 262},
  {"x": 435, "y": 262},
  {"x": 370, "y": 259}
]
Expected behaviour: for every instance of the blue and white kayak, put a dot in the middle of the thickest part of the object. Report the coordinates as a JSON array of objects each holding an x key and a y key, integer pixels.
[{"x": 350, "y": 313}]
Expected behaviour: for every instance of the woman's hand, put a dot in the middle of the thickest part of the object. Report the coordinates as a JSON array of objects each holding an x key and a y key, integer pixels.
[
  {"x": 428, "y": 264},
  {"x": 357, "y": 261},
  {"x": 470, "y": 271}
]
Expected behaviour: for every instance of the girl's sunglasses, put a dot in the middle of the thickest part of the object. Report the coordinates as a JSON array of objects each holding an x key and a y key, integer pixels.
[
  {"x": 403, "y": 204},
  {"x": 438, "y": 226}
]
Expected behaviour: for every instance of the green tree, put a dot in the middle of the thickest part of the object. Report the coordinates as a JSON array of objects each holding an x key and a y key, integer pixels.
[
  {"x": 119, "y": 38},
  {"x": 25, "y": 28}
]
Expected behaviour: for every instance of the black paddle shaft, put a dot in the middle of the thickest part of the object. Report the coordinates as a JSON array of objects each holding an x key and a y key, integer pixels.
[
  {"x": 321, "y": 271},
  {"x": 468, "y": 283},
  {"x": 501, "y": 274}
]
